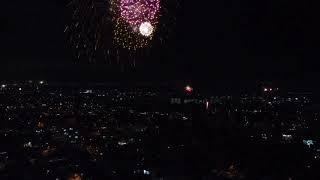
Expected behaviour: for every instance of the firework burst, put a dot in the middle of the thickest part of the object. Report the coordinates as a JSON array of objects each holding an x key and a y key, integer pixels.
[
  {"x": 135, "y": 22},
  {"x": 100, "y": 29}
]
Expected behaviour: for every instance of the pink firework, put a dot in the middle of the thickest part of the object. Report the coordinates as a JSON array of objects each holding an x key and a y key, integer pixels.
[{"x": 137, "y": 12}]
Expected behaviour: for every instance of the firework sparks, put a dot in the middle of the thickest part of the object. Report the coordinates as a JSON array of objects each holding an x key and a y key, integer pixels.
[
  {"x": 135, "y": 12},
  {"x": 100, "y": 30},
  {"x": 135, "y": 21}
]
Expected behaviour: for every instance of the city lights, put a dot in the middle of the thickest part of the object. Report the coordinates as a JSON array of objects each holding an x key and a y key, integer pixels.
[
  {"x": 75, "y": 176},
  {"x": 116, "y": 122}
]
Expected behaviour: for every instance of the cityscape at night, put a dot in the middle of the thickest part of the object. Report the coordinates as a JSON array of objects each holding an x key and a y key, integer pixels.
[
  {"x": 159, "y": 90},
  {"x": 100, "y": 131}
]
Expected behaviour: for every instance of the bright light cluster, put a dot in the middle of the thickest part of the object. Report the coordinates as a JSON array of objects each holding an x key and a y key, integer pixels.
[
  {"x": 188, "y": 89},
  {"x": 146, "y": 29},
  {"x": 135, "y": 21}
]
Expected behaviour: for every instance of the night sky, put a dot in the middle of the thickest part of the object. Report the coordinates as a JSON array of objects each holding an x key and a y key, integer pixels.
[{"x": 216, "y": 42}]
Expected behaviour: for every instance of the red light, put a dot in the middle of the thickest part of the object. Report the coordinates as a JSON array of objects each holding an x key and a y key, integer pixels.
[{"x": 189, "y": 89}]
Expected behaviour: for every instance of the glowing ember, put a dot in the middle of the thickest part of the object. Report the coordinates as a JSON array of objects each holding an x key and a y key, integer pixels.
[{"x": 189, "y": 89}]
